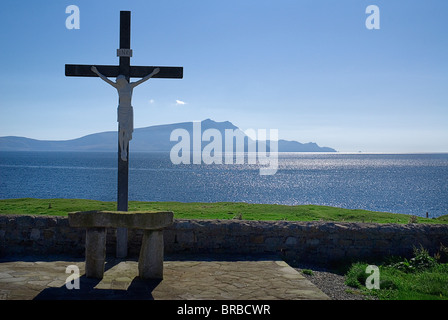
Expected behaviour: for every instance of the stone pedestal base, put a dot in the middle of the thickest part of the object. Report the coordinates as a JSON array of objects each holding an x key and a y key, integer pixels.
[
  {"x": 95, "y": 252},
  {"x": 150, "y": 262}
]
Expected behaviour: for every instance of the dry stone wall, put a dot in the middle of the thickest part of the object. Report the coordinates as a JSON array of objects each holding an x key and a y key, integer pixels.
[{"x": 319, "y": 242}]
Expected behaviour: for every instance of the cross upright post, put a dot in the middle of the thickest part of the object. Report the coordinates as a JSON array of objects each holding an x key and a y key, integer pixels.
[
  {"x": 123, "y": 69},
  {"x": 123, "y": 166}
]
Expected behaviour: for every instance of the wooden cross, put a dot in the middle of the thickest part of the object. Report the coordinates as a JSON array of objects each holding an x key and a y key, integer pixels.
[{"x": 125, "y": 69}]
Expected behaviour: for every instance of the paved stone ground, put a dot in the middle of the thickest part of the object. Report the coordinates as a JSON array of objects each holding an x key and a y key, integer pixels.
[{"x": 185, "y": 278}]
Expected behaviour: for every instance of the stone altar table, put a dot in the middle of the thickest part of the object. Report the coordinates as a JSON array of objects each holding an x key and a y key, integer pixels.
[{"x": 150, "y": 262}]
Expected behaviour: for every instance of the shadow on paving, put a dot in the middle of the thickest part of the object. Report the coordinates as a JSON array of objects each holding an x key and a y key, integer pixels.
[{"x": 137, "y": 290}]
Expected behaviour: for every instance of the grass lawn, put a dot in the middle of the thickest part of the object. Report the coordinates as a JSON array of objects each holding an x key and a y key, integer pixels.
[
  {"x": 219, "y": 210},
  {"x": 420, "y": 278}
]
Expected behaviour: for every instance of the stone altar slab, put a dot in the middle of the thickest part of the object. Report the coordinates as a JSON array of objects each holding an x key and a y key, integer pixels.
[{"x": 150, "y": 264}]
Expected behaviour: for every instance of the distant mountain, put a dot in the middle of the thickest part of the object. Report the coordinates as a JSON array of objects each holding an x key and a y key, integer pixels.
[
  {"x": 154, "y": 138},
  {"x": 294, "y": 146}
]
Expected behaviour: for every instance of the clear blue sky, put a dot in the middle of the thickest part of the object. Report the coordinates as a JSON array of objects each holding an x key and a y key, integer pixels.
[{"x": 309, "y": 68}]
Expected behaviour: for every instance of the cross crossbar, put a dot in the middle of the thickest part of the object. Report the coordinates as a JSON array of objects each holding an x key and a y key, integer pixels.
[{"x": 80, "y": 70}]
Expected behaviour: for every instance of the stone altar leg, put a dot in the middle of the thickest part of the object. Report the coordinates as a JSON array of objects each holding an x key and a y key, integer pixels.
[
  {"x": 95, "y": 252},
  {"x": 150, "y": 262}
]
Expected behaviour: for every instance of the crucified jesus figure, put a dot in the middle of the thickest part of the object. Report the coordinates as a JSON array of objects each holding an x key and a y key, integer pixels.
[{"x": 125, "y": 110}]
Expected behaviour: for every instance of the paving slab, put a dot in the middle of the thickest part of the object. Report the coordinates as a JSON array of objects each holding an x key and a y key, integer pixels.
[{"x": 185, "y": 278}]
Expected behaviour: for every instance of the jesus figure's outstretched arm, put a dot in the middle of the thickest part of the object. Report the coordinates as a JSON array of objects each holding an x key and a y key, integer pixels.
[
  {"x": 149, "y": 76},
  {"x": 95, "y": 70}
]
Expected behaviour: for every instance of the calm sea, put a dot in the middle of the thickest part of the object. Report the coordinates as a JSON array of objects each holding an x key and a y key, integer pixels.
[{"x": 401, "y": 183}]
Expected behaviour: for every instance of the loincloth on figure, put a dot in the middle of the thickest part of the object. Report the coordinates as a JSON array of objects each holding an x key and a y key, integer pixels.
[{"x": 125, "y": 120}]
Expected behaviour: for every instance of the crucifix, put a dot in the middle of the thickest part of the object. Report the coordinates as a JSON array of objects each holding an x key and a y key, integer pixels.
[{"x": 123, "y": 73}]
